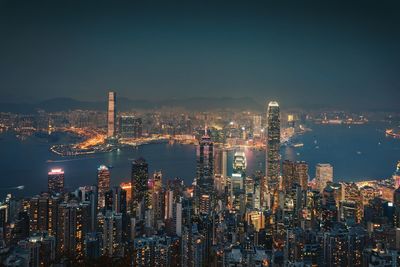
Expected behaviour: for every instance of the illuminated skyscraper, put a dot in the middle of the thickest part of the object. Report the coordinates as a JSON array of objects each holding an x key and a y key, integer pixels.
[
  {"x": 294, "y": 173},
  {"x": 205, "y": 168},
  {"x": 74, "y": 221},
  {"x": 220, "y": 166},
  {"x": 287, "y": 175},
  {"x": 218, "y": 161},
  {"x": 111, "y": 116},
  {"x": 128, "y": 188},
  {"x": 139, "y": 181},
  {"x": 301, "y": 174},
  {"x": 273, "y": 144},
  {"x": 43, "y": 213},
  {"x": 323, "y": 175},
  {"x": 257, "y": 125},
  {"x": 103, "y": 184},
  {"x": 112, "y": 234},
  {"x": 55, "y": 181}
]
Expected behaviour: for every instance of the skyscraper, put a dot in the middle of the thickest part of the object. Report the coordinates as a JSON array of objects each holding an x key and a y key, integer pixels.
[
  {"x": 74, "y": 223},
  {"x": 301, "y": 174},
  {"x": 103, "y": 184},
  {"x": 55, "y": 181},
  {"x": 287, "y": 175},
  {"x": 205, "y": 167},
  {"x": 128, "y": 188},
  {"x": 220, "y": 168},
  {"x": 112, "y": 234},
  {"x": 111, "y": 116},
  {"x": 139, "y": 181},
  {"x": 323, "y": 175},
  {"x": 294, "y": 172},
  {"x": 43, "y": 213},
  {"x": 273, "y": 144},
  {"x": 257, "y": 125}
]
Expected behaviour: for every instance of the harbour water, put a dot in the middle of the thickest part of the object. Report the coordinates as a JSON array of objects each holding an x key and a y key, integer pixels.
[{"x": 357, "y": 152}]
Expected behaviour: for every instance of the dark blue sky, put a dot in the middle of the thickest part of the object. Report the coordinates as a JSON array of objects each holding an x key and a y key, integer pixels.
[{"x": 336, "y": 53}]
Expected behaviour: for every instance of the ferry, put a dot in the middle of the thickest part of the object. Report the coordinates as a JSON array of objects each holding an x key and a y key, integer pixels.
[
  {"x": 392, "y": 133},
  {"x": 298, "y": 145}
]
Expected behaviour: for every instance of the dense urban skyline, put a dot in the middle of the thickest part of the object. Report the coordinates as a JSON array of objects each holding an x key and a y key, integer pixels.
[
  {"x": 328, "y": 53},
  {"x": 197, "y": 134}
]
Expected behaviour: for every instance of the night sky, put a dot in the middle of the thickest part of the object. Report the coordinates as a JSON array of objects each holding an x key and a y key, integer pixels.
[{"x": 334, "y": 53}]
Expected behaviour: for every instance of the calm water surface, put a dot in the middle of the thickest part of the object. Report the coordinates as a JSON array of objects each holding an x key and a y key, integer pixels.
[{"x": 356, "y": 152}]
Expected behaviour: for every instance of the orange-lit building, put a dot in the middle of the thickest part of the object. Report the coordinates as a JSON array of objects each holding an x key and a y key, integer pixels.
[{"x": 127, "y": 186}]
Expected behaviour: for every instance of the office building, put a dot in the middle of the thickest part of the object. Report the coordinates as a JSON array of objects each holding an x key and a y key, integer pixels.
[
  {"x": 205, "y": 170},
  {"x": 287, "y": 175},
  {"x": 294, "y": 173},
  {"x": 111, "y": 116},
  {"x": 323, "y": 175},
  {"x": 257, "y": 119},
  {"x": 139, "y": 181},
  {"x": 301, "y": 174},
  {"x": 273, "y": 145},
  {"x": 128, "y": 188},
  {"x": 103, "y": 185}
]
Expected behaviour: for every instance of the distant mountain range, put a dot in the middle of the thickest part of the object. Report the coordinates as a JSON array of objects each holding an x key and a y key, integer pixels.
[{"x": 126, "y": 104}]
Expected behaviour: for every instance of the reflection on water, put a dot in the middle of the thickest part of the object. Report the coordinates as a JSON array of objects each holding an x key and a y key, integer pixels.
[{"x": 359, "y": 152}]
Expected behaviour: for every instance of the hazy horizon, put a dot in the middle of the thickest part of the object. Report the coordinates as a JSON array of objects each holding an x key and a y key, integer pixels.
[{"x": 334, "y": 53}]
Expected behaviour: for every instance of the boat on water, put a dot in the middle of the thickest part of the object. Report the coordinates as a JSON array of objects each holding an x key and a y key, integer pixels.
[
  {"x": 298, "y": 145},
  {"x": 393, "y": 133}
]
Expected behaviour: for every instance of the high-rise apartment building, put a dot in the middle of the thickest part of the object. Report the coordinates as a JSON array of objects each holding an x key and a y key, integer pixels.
[
  {"x": 55, "y": 181},
  {"x": 112, "y": 234},
  {"x": 73, "y": 225}
]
